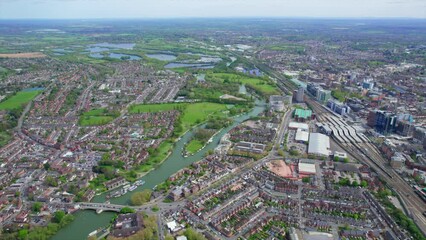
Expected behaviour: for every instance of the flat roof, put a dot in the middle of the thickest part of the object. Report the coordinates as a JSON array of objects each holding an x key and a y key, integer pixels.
[
  {"x": 307, "y": 168},
  {"x": 298, "y": 125},
  {"x": 303, "y": 113},
  {"x": 319, "y": 144},
  {"x": 302, "y": 135}
]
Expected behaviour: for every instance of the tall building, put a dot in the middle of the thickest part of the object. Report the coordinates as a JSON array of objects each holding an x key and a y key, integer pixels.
[
  {"x": 323, "y": 95},
  {"x": 320, "y": 94},
  {"x": 383, "y": 122},
  {"x": 300, "y": 94},
  {"x": 404, "y": 128}
]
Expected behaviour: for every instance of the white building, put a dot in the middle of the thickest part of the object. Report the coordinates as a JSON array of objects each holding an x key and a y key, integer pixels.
[
  {"x": 319, "y": 144},
  {"x": 301, "y": 136}
]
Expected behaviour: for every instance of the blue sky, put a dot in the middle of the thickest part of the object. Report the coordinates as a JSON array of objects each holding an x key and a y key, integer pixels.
[{"x": 211, "y": 8}]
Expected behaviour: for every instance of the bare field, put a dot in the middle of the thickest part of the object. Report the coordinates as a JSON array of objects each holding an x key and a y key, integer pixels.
[{"x": 22, "y": 55}]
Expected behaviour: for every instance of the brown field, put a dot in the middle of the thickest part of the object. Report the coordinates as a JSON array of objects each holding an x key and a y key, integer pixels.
[
  {"x": 280, "y": 168},
  {"x": 22, "y": 55}
]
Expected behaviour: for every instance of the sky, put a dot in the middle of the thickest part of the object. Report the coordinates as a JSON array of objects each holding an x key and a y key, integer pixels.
[{"x": 87, "y": 9}]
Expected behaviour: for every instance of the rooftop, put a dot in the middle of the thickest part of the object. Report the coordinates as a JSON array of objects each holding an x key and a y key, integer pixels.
[
  {"x": 319, "y": 144},
  {"x": 303, "y": 113}
]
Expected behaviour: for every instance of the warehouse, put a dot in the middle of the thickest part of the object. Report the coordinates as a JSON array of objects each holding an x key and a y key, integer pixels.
[
  {"x": 297, "y": 125},
  {"x": 302, "y": 136},
  {"x": 319, "y": 144}
]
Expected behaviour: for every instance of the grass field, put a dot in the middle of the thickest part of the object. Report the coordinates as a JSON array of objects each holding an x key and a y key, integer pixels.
[
  {"x": 192, "y": 114},
  {"x": 96, "y": 117},
  {"x": 160, "y": 154},
  {"x": 157, "y": 107},
  {"x": 194, "y": 146},
  {"x": 18, "y": 100},
  {"x": 4, "y": 138},
  {"x": 261, "y": 85}
]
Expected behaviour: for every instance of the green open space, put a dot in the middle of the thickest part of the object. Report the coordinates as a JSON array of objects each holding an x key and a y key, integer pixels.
[
  {"x": 192, "y": 114},
  {"x": 18, "y": 100},
  {"x": 4, "y": 138},
  {"x": 97, "y": 117},
  {"x": 261, "y": 86},
  {"x": 291, "y": 48},
  {"x": 194, "y": 146}
]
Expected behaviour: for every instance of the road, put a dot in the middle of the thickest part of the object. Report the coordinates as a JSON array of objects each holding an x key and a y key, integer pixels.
[{"x": 368, "y": 154}]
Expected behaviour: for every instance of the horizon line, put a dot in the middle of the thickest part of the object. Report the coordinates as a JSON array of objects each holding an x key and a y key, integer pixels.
[{"x": 225, "y": 17}]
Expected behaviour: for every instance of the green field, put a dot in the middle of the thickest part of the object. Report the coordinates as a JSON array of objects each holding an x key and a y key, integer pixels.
[
  {"x": 260, "y": 85},
  {"x": 192, "y": 114},
  {"x": 194, "y": 146},
  {"x": 18, "y": 100},
  {"x": 96, "y": 117}
]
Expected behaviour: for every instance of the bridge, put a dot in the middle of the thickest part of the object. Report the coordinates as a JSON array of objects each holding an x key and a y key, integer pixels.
[{"x": 108, "y": 207}]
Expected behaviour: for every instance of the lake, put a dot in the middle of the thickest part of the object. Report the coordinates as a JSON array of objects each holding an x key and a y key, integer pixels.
[
  {"x": 189, "y": 65},
  {"x": 116, "y": 56},
  {"x": 162, "y": 57}
]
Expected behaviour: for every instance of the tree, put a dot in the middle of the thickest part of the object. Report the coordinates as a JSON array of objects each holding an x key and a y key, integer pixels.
[
  {"x": 306, "y": 179},
  {"x": 191, "y": 234},
  {"x": 140, "y": 198},
  {"x": 169, "y": 237},
  {"x": 22, "y": 234},
  {"x": 51, "y": 181},
  {"x": 37, "y": 207},
  {"x": 127, "y": 210},
  {"x": 364, "y": 183},
  {"x": 58, "y": 216},
  {"x": 46, "y": 166}
]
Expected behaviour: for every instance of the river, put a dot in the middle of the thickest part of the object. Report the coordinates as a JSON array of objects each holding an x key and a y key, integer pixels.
[{"x": 88, "y": 221}]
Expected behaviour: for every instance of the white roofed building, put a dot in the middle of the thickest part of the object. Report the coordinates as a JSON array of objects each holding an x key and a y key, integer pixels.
[{"x": 319, "y": 144}]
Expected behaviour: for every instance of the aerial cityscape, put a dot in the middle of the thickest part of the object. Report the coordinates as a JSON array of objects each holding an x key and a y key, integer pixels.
[{"x": 238, "y": 127}]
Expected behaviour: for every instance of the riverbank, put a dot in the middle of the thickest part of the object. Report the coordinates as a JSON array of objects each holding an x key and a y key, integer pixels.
[{"x": 86, "y": 221}]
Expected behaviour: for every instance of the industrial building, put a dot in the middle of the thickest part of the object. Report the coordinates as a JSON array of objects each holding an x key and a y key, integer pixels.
[
  {"x": 301, "y": 136},
  {"x": 297, "y": 125},
  {"x": 319, "y": 144},
  {"x": 302, "y": 115},
  {"x": 307, "y": 168}
]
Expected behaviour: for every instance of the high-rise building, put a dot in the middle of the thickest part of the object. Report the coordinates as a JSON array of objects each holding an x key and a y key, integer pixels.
[
  {"x": 383, "y": 122},
  {"x": 404, "y": 128},
  {"x": 323, "y": 95},
  {"x": 300, "y": 94}
]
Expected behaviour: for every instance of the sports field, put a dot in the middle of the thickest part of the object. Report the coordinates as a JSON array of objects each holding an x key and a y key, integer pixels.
[{"x": 96, "y": 117}]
